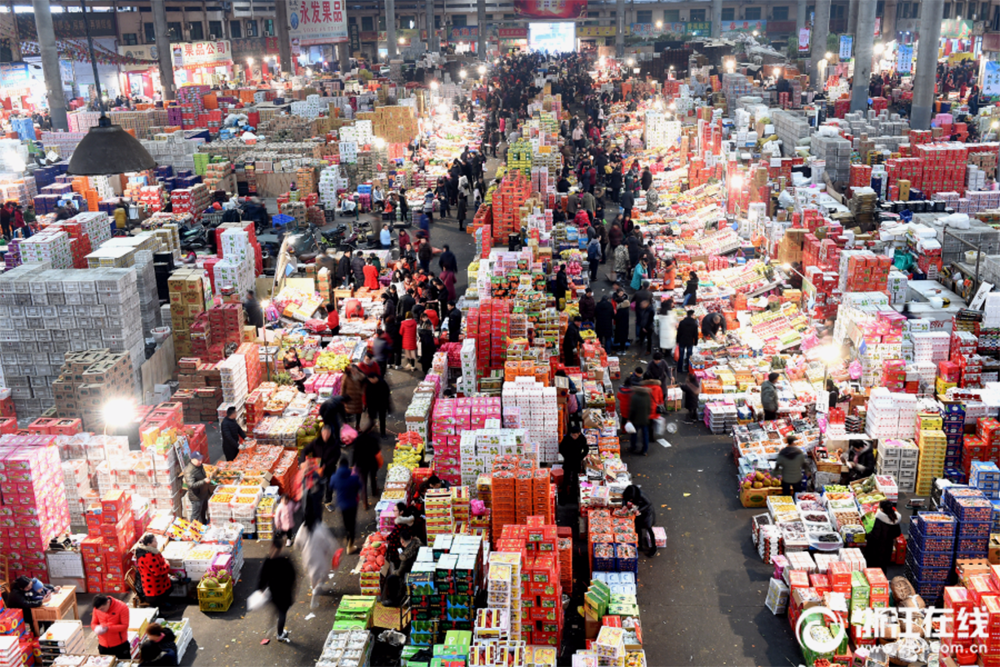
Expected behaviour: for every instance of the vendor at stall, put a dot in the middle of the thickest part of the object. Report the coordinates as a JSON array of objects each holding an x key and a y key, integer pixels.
[
  {"x": 860, "y": 461},
  {"x": 159, "y": 648},
  {"x": 645, "y": 518},
  {"x": 293, "y": 366}
]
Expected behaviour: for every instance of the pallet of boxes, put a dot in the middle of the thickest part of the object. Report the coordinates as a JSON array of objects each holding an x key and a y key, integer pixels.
[
  {"x": 190, "y": 293},
  {"x": 88, "y": 381}
]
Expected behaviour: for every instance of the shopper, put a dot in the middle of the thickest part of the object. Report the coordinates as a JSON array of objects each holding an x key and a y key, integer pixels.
[
  {"x": 317, "y": 545},
  {"x": 352, "y": 389},
  {"x": 278, "y": 578},
  {"x": 385, "y": 237},
  {"x": 371, "y": 275},
  {"x": 324, "y": 450},
  {"x": 883, "y": 535},
  {"x": 634, "y": 499},
  {"x": 572, "y": 342},
  {"x": 347, "y": 485},
  {"x": 560, "y": 287},
  {"x": 344, "y": 271},
  {"x": 358, "y": 264},
  {"x": 622, "y": 264},
  {"x": 665, "y": 326},
  {"x": 21, "y": 597},
  {"x": 428, "y": 346},
  {"x": 159, "y": 648},
  {"x": 454, "y": 323},
  {"x": 687, "y": 338},
  {"x": 712, "y": 324},
  {"x": 627, "y": 203},
  {"x": 574, "y": 450},
  {"x": 333, "y": 318},
  {"x": 232, "y": 434},
  {"x": 588, "y": 307},
  {"x": 408, "y": 331},
  {"x": 640, "y": 407},
  {"x": 769, "y": 397},
  {"x": 284, "y": 518},
  {"x": 110, "y": 621},
  {"x": 658, "y": 370},
  {"x": 252, "y": 310},
  {"x": 789, "y": 467},
  {"x": 367, "y": 459},
  {"x": 860, "y": 461},
  {"x": 644, "y": 318},
  {"x": 199, "y": 488},
  {"x": 594, "y": 257},
  {"x": 691, "y": 290},
  {"x": 622, "y": 309},
  {"x": 154, "y": 573},
  {"x": 604, "y": 318}
]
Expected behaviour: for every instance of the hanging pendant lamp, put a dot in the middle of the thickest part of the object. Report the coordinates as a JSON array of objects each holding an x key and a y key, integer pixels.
[{"x": 107, "y": 148}]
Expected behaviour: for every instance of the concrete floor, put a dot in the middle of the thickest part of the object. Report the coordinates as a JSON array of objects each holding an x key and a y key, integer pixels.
[{"x": 702, "y": 597}]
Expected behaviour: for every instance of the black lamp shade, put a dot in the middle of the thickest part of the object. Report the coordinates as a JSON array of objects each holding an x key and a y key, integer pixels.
[{"x": 108, "y": 149}]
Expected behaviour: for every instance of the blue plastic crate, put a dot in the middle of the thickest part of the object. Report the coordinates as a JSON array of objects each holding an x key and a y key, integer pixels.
[
  {"x": 921, "y": 573},
  {"x": 931, "y": 525},
  {"x": 933, "y": 559},
  {"x": 974, "y": 529},
  {"x": 930, "y": 543}
]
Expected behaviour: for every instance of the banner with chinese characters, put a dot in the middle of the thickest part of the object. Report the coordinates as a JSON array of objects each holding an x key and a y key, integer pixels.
[
  {"x": 585, "y": 31},
  {"x": 551, "y": 9},
  {"x": 652, "y": 30},
  {"x": 464, "y": 34},
  {"x": 512, "y": 33},
  {"x": 69, "y": 25},
  {"x": 904, "y": 59},
  {"x": 991, "y": 78},
  {"x": 804, "y": 39},
  {"x": 14, "y": 75},
  {"x": 316, "y": 22},
  {"x": 955, "y": 29},
  {"x": 744, "y": 26},
  {"x": 846, "y": 46},
  {"x": 145, "y": 53},
  {"x": 202, "y": 54},
  {"x": 698, "y": 28}
]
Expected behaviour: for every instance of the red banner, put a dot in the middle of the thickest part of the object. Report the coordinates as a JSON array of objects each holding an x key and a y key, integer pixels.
[
  {"x": 551, "y": 9},
  {"x": 512, "y": 33}
]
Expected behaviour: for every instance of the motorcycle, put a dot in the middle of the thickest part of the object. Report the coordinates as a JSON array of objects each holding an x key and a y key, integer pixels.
[{"x": 349, "y": 205}]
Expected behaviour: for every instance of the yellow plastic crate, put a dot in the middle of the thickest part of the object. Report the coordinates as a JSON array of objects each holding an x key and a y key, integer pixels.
[{"x": 216, "y": 604}]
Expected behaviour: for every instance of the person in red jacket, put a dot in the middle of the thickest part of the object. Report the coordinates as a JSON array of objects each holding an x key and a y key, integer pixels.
[
  {"x": 332, "y": 318},
  {"x": 154, "y": 572},
  {"x": 408, "y": 330},
  {"x": 371, "y": 275},
  {"x": 110, "y": 622}
]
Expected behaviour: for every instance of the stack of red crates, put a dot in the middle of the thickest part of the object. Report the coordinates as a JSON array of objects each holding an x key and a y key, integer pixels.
[
  {"x": 942, "y": 167},
  {"x": 226, "y": 322},
  {"x": 904, "y": 169},
  {"x": 974, "y": 448},
  {"x": 868, "y": 272},
  {"x": 7, "y": 403},
  {"x": 918, "y": 137},
  {"x": 251, "y": 353},
  {"x": 499, "y": 329},
  {"x": 988, "y": 428},
  {"x": 991, "y": 607},
  {"x": 541, "y": 491},
  {"x": 565, "y": 548},
  {"x": 197, "y": 439},
  {"x": 841, "y": 108},
  {"x": 513, "y": 191},
  {"x": 541, "y": 594},
  {"x": 956, "y": 642},
  {"x": 107, "y": 549},
  {"x": 504, "y": 502},
  {"x": 861, "y": 176},
  {"x": 201, "y": 335}
]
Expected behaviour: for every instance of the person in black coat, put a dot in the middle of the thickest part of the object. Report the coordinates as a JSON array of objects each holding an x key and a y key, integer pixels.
[
  {"x": 634, "y": 251},
  {"x": 427, "y": 346},
  {"x": 691, "y": 290},
  {"x": 687, "y": 338},
  {"x": 560, "y": 287},
  {"x": 159, "y": 648},
  {"x": 644, "y": 520},
  {"x": 378, "y": 399},
  {"x": 447, "y": 259},
  {"x": 366, "y": 450},
  {"x": 587, "y": 306},
  {"x": 454, "y": 323},
  {"x": 644, "y": 317},
  {"x": 572, "y": 342},
  {"x": 882, "y": 538},
  {"x": 391, "y": 326},
  {"x": 344, "y": 271},
  {"x": 254, "y": 313},
  {"x": 277, "y": 575},
  {"x": 627, "y": 202},
  {"x": 604, "y": 318},
  {"x": 622, "y": 307},
  {"x": 406, "y": 304},
  {"x": 646, "y": 180},
  {"x": 574, "y": 450},
  {"x": 232, "y": 434}
]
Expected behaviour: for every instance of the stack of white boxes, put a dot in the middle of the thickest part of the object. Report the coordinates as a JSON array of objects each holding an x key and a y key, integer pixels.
[
  {"x": 96, "y": 225},
  {"x": 330, "y": 183},
  {"x": 233, "y": 370},
  {"x": 45, "y": 313},
  {"x": 504, "y": 591},
  {"x": 311, "y": 108},
  {"x": 236, "y": 271},
  {"x": 887, "y": 413},
  {"x": 930, "y": 346},
  {"x": 659, "y": 132},
  {"x": 897, "y": 286},
  {"x": 539, "y": 414},
  {"x": 49, "y": 246},
  {"x": 899, "y": 459},
  {"x": 480, "y": 447},
  {"x": 76, "y": 480},
  {"x": 467, "y": 382}
]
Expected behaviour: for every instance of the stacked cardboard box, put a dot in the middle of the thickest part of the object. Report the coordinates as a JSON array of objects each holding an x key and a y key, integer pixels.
[
  {"x": 541, "y": 593},
  {"x": 88, "y": 381},
  {"x": 34, "y": 499},
  {"x": 107, "y": 549},
  {"x": 190, "y": 294}
]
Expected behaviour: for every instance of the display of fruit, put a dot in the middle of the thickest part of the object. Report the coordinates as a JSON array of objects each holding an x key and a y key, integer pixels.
[
  {"x": 373, "y": 553},
  {"x": 760, "y": 480},
  {"x": 210, "y": 582},
  {"x": 307, "y": 432}
]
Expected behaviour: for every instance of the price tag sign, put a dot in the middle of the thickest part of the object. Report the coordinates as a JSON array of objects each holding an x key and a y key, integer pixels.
[{"x": 846, "y": 46}]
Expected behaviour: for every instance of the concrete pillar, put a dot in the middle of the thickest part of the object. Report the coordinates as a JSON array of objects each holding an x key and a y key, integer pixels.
[
  {"x": 931, "y": 13},
  {"x": 852, "y": 18},
  {"x": 800, "y": 18},
  {"x": 864, "y": 40},
  {"x": 888, "y": 32},
  {"x": 620, "y": 28},
  {"x": 390, "y": 28},
  {"x": 284, "y": 39},
  {"x": 817, "y": 40},
  {"x": 481, "y": 23},
  {"x": 432, "y": 44},
  {"x": 716, "y": 18},
  {"x": 50, "y": 64},
  {"x": 165, "y": 53},
  {"x": 344, "y": 55}
]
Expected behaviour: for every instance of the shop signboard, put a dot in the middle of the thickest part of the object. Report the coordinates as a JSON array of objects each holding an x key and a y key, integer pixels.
[
  {"x": 804, "y": 40},
  {"x": 991, "y": 41},
  {"x": 744, "y": 26},
  {"x": 652, "y": 30},
  {"x": 904, "y": 58},
  {"x": 202, "y": 54},
  {"x": 14, "y": 75},
  {"x": 464, "y": 34},
  {"x": 699, "y": 27},
  {"x": 991, "y": 78},
  {"x": 587, "y": 31},
  {"x": 512, "y": 33},
  {"x": 254, "y": 47},
  {"x": 551, "y": 9},
  {"x": 355, "y": 35},
  {"x": 370, "y": 36},
  {"x": 139, "y": 52},
  {"x": 316, "y": 22},
  {"x": 70, "y": 25},
  {"x": 955, "y": 29},
  {"x": 846, "y": 46}
]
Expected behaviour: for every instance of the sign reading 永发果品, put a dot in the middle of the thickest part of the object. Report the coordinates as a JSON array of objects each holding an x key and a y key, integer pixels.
[{"x": 315, "y": 22}]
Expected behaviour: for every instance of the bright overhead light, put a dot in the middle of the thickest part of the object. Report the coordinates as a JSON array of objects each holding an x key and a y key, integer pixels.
[
  {"x": 379, "y": 142},
  {"x": 755, "y": 33},
  {"x": 878, "y": 48},
  {"x": 738, "y": 182},
  {"x": 829, "y": 56},
  {"x": 462, "y": 73},
  {"x": 434, "y": 85},
  {"x": 250, "y": 60},
  {"x": 482, "y": 70},
  {"x": 777, "y": 72},
  {"x": 118, "y": 412},
  {"x": 659, "y": 24}
]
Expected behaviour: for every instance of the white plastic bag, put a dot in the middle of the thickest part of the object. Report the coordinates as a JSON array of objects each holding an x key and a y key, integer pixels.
[
  {"x": 659, "y": 427},
  {"x": 258, "y": 599},
  {"x": 629, "y": 428}
]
